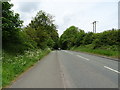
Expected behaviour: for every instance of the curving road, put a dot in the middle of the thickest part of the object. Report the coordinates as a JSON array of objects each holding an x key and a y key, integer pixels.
[{"x": 69, "y": 69}]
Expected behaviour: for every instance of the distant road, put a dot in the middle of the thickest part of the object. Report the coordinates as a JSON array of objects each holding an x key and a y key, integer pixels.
[{"x": 69, "y": 69}]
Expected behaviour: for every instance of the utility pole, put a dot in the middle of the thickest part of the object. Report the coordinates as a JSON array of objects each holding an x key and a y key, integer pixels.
[{"x": 94, "y": 26}]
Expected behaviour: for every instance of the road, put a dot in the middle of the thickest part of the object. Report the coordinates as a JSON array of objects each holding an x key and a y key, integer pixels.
[{"x": 69, "y": 69}]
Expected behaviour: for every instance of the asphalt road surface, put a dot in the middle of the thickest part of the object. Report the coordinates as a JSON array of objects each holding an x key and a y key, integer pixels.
[{"x": 68, "y": 69}]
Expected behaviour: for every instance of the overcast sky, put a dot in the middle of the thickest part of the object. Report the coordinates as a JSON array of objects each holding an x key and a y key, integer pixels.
[{"x": 79, "y": 13}]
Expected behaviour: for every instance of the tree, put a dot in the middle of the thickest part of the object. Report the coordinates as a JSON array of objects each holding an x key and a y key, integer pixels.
[
  {"x": 88, "y": 39},
  {"x": 11, "y": 25},
  {"x": 80, "y": 38},
  {"x": 14, "y": 38},
  {"x": 69, "y": 37},
  {"x": 46, "y": 33},
  {"x": 74, "y": 37}
]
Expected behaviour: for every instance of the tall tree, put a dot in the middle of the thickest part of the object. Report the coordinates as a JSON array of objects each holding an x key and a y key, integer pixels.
[
  {"x": 46, "y": 33},
  {"x": 11, "y": 24}
]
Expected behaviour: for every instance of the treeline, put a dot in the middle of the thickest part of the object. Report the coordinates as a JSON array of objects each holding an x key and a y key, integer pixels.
[
  {"x": 40, "y": 33},
  {"x": 22, "y": 46},
  {"x": 75, "y": 37}
]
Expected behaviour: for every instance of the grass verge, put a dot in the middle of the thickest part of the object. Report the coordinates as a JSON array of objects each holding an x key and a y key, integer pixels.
[
  {"x": 109, "y": 53},
  {"x": 13, "y": 66}
]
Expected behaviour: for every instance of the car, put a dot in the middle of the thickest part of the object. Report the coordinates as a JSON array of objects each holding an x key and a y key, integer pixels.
[{"x": 59, "y": 48}]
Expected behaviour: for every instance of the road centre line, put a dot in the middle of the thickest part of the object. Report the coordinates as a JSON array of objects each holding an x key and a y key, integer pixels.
[
  {"x": 83, "y": 57},
  {"x": 68, "y": 52},
  {"x": 111, "y": 69}
]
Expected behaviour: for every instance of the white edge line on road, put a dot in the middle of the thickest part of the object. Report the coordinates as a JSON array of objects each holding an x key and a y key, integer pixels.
[
  {"x": 83, "y": 57},
  {"x": 111, "y": 69}
]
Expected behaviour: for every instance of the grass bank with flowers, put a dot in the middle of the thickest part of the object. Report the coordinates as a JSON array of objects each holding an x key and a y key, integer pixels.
[{"x": 14, "y": 65}]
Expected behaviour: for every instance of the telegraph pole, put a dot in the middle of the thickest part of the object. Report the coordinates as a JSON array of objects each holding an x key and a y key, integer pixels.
[{"x": 94, "y": 26}]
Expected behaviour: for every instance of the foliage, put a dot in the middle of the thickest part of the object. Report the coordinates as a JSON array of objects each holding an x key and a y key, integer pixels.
[
  {"x": 77, "y": 37},
  {"x": 80, "y": 38},
  {"x": 22, "y": 47},
  {"x": 43, "y": 31},
  {"x": 40, "y": 33},
  {"x": 99, "y": 51},
  {"x": 88, "y": 39},
  {"x": 104, "y": 43},
  {"x": 18, "y": 64},
  {"x": 69, "y": 37},
  {"x": 11, "y": 25}
]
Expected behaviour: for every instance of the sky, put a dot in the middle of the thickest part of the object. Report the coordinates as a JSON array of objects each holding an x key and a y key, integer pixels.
[
  {"x": 119, "y": 15},
  {"x": 80, "y": 13}
]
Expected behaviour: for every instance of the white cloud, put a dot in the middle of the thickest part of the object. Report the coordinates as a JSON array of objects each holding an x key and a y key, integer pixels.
[
  {"x": 65, "y": 0},
  {"x": 28, "y": 6},
  {"x": 80, "y": 13}
]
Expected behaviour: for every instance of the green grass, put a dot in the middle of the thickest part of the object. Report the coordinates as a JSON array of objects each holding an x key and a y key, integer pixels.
[
  {"x": 99, "y": 51},
  {"x": 13, "y": 66},
  {"x": 0, "y": 68}
]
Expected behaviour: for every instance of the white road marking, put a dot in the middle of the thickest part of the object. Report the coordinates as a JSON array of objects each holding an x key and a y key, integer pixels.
[
  {"x": 64, "y": 51},
  {"x": 111, "y": 69},
  {"x": 83, "y": 57},
  {"x": 68, "y": 52}
]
